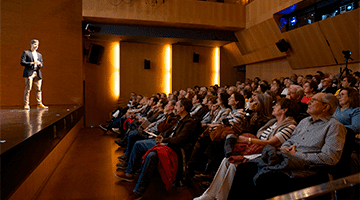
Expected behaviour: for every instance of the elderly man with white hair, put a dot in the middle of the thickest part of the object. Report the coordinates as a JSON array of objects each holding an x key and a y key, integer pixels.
[{"x": 318, "y": 139}]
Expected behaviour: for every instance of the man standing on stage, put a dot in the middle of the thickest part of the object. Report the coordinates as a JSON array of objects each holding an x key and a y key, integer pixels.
[{"x": 33, "y": 62}]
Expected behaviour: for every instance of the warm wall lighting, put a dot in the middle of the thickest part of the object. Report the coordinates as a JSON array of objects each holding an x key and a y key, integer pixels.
[
  {"x": 115, "y": 78},
  {"x": 216, "y": 74},
  {"x": 168, "y": 69}
]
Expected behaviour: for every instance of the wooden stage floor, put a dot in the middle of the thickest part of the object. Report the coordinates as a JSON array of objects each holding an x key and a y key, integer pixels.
[
  {"x": 18, "y": 125},
  {"x": 87, "y": 169}
]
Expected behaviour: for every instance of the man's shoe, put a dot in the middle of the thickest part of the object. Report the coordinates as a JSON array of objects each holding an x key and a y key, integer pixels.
[
  {"x": 126, "y": 177},
  {"x": 121, "y": 143},
  {"x": 27, "y": 107},
  {"x": 122, "y": 165},
  {"x": 122, "y": 158},
  {"x": 103, "y": 128},
  {"x": 133, "y": 196},
  {"x": 116, "y": 130},
  {"x": 42, "y": 106}
]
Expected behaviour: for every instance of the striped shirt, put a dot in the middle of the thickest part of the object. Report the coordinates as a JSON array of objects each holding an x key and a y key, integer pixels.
[
  {"x": 153, "y": 127},
  {"x": 282, "y": 134},
  {"x": 236, "y": 115}
]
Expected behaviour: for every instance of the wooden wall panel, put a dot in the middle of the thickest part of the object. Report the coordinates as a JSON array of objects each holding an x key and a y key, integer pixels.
[
  {"x": 343, "y": 33},
  {"x": 259, "y": 10},
  {"x": 133, "y": 76},
  {"x": 308, "y": 47},
  {"x": 258, "y": 43},
  {"x": 99, "y": 85},
  {"x": 183, "y": 13},
  {"x": 313, "y": 45},
  {"x": 186, "y": 73},
  {"x": 58, "y": 27},
  {"x": 232, "y": 54},
  {"x": 262, "y": 35},
  {"x": 228, "y": 62},
  {"x": 281, "y": 68},
  {"x": 267, "y": 53}
]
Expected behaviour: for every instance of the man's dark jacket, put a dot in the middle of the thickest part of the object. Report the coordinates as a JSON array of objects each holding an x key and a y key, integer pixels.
[{"x": 26, "y": 59}]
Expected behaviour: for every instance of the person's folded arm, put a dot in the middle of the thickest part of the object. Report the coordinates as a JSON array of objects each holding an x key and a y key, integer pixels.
[{"x": 331, "y": 151}]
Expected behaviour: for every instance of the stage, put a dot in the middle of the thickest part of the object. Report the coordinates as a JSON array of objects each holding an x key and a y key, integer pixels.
[{"x": 28, "y": 136}]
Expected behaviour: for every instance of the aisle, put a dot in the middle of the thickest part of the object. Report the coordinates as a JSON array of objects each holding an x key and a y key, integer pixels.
[{"x": 87, "y": 172}]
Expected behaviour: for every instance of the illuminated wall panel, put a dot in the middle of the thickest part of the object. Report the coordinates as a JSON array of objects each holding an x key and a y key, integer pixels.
[
  {"x": 115, "y": 76},
  {"x": 168, "y": 69},
  {"x": 216, "y": 72}
]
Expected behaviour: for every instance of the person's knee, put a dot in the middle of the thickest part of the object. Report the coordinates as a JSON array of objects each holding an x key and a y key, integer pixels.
[
  {"x": 152, "y": 156},
  {"x": 136, "y": 145},
  {"x": 132, "y": 134}
]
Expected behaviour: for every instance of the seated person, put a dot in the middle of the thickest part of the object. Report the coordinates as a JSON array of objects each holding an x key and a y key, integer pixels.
[
  {"x": 210, "y": 102},
  {"x": 310, "y": 88},
  {"x": 346, "y": 82},
  {"x": 139, "y": 134},
  {"x": 118, "y": 122},
  {"x": 237, "y": 103},
  {"x": 197, "y": 110},
  {"x": 318, "y": 139},
  {"x": 348, "y": 113},
  {"x": 133, "y": 101},
  {"x": 222, "y": 103},
  {"x": 155, "y": 111},
  {"x": 326, "y": 86},
  {"x": 274, "y": 133},
  {"x": 151, "y": 102},
  {"x": 295, "y": 94},
  {"x": 258, "y": 115},
  {"x": 176, "y": 138},
  {"x": 287, "y": 84}
]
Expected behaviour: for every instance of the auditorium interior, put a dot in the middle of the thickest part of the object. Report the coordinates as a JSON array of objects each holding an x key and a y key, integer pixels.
[{"x": 97, "y": 52}]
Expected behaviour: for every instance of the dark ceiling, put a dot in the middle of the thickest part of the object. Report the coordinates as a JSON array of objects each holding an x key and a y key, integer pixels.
[{"x": 159, "y": 35}]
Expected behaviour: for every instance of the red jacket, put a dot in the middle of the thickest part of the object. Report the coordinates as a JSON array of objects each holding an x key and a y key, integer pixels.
[{"x": 168, "y": 163}]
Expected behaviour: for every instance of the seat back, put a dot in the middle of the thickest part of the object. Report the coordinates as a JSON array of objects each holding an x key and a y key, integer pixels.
[{"x": 342, "y": 168}]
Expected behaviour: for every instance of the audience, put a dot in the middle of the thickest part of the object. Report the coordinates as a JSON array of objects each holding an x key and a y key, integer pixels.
[
  {"x": 199, "y": 109},
  {"x": 139, "y": 133},
  {"x": 348, "y": 112},
  {"x": 274, "y": 133},
  {"x": 232, "y": 118},
  {"x": 287, "y": 84},
  {"x": 318, "y": 139},
  {"x": 326, "y": 86},
  {"x": 310, "y": 88},
  {"x": 171, "y": 141}
]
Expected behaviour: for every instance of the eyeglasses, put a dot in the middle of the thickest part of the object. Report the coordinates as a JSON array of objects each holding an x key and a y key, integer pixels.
[{"x": 312, "y": 100}]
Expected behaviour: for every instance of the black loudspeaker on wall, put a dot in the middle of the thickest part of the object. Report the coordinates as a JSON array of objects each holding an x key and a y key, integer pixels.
[
  {"x": 96, "y": 53},
  {"x": 196, "y": 58},
  {"x": 282, "y": 45},
  {"x": 146, "y": 64}
]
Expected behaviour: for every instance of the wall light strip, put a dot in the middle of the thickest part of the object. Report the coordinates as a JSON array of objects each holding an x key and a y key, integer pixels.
[
  {"x": 216, "y": 75},
  {"x": 168, "y": 69},
  {"x": 116, "y": 69}
]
